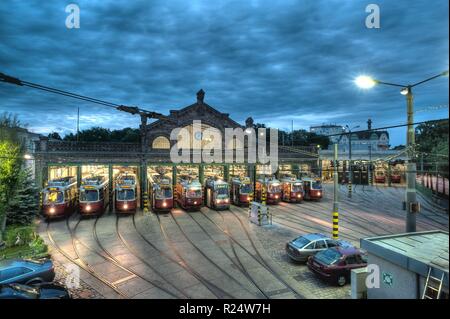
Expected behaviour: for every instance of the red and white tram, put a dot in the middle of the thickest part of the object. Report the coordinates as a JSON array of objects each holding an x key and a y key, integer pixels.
[
  {"x": 241, "y": 188},
  {"x": 126, "y": 193},
  {"x": 94, "y": 195},
  {"x": 292, "y": 189},
  {"x": 189, "y": 194},
  {"x": 272, "y": 187},
  {"x": 160, "y": 193},
  {"x": 313, "y": 188},
  {"x": 217, "y": 194},
  {"x": 59, "y": 197}
]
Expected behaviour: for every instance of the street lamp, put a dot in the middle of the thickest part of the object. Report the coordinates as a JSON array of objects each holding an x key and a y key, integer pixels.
[
  {"x": 366, "y": 82},
  {"x": 350, "y": 172}
]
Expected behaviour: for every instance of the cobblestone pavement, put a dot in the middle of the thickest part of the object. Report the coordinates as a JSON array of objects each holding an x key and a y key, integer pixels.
[{"x": 211, "y": 254}]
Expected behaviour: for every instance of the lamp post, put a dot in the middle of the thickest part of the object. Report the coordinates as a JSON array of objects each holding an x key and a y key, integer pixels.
[
  {"x": 412, "y": 207},
  {"x": 350, "y": 172}
]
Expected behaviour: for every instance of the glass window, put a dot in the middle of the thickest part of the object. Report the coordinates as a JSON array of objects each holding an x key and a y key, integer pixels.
[
  {"x": 317, "y": 185},
  {"x": 331, "y": 243},
  {"x": 320, "y": 244},
  {"x": 301, "y": 242},
  {"x": 194, "y": 193},
  {"x": 54, "y": 197},
  {"x": 125, "y": 194},
  {"x": 329, "y": 256},
  {"x": 89, "y": 195},
  {"x": 246, "y": 189},
  {"x": 222, "y": 190},
  {"x": 165, "y": 192},
  {"x": 274, "y": 188},
  {"x": 296, "y": 188},
  {"x": 161, "y": 142},
  {"x": 10, "y": 273}
]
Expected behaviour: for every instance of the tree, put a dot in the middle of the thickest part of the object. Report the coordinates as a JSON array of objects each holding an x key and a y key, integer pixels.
[
  {"x": 432, "y": 145},
  {"x": 10, "y": 166},
  {"x": 24, "y": 205},
  {"x": 11, "y": 152},
  {"x": 55, "y": 136}
]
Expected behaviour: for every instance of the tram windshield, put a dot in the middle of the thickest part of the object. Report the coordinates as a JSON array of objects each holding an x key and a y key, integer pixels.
[
  {"x": 296, "y": 187},
  {"x": 316, "y": 185},
  {"x": 194, "y": 193},
  {"x": 125, "y": 194},
  {"x": 246, "y": 189},
  {"x": 89, "y": 195},
  {"x": 165, "y": 192},
  {"x": 274, "y": 188},
  {"x": 222, "y": 190},
  {"x": 54, "y": 197}
]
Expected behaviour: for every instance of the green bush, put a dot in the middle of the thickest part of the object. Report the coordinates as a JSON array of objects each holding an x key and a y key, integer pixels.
[
  {"x": 38, "y": 246},
  {"x": 18, "y": 236}
]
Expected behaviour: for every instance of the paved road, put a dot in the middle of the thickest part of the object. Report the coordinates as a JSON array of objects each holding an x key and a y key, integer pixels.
[{"x": 210, "y": 254}]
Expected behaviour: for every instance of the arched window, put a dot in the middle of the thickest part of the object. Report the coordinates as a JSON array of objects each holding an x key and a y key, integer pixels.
[{"x": 161, "y": 142}]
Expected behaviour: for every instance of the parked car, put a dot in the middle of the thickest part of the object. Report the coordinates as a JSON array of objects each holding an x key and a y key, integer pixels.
[
  {"x": 334, "y": 264},
  {"x": 304, "y": 246},
  {"x": 42, "y": 291},
  {"x": 26, "y": 271}
]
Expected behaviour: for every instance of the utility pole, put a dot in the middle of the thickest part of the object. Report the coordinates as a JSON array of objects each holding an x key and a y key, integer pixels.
[
  {"x": 412, "y": 207},
  {"x": 78, "y": 124},
  {"x": 350, "y": 172},
  {"x": 335, "y": 195}
]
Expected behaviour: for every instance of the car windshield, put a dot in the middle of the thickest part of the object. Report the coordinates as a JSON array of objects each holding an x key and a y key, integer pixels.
[
  {"x": 165, "y": 192},
  {"x": 54, "y": 197},
  {"x": 301, "y": 242},
  {"x": 246, "y": 189},
  {"x": 316, "y": 185},
  {"x": 194, "y": 193},
  {"x": 125, "y": 194},
  {"x": 328, "y": 256},
  {"x": 274, "y": 188},
  {"x": 27, "y": 290},
  {"x": 296, "y": 188},
  {"x": 89, "y": 195}
]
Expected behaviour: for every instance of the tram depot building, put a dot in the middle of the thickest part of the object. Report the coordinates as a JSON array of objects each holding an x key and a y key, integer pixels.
[{"x": 55, "y": 159}]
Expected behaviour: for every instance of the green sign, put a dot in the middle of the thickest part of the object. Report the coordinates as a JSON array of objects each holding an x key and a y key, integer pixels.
[{"x": 388, "y": 279}]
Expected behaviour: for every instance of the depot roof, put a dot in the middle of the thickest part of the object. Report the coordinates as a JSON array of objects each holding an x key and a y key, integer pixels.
[{"x": 413, "y": 251}]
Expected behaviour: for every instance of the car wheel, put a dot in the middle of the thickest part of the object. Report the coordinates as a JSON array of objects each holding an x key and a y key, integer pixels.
[{"x": 341, "y": 280}]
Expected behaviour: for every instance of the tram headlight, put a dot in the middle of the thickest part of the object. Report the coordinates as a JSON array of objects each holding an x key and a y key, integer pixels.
[
  {"x": 299, "y": 195},
  {"x": 319, "y": 193},
  {"x": 276, "y": 196},
  {"x": 88, "y": 208},
  {"x": 195, "y": 202},
  {"x": 164, "y": 204},
  {"x": 52, "y": 210},
  {"x": 125, "y": 206}
]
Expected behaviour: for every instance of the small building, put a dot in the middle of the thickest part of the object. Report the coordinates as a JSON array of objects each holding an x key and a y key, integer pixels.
[{"x": 405, "y": 261}]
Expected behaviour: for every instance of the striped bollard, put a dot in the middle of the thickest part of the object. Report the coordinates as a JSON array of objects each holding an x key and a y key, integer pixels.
[{"x": 335, "y": 225}]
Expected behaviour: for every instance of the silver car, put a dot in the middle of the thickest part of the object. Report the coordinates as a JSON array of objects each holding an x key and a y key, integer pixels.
[{"x": 304, "y": 246}]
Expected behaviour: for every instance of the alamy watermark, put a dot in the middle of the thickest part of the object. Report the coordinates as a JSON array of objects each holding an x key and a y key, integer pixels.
[
  {"x": 373, "y": 19},
  {"x": 194, "y": 145},
  {"x": 73, "y": 19}
]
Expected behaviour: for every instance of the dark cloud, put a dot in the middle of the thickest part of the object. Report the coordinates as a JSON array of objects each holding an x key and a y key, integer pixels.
[{"x": 272, "y": 60}]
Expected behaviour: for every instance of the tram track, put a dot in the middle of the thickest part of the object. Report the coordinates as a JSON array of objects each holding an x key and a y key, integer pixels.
[
  {"x": 116, "y": 262},
  {"x": 238, "y": 263},
  {"x": 429, "y": 215},
  {"x": 430, "y": 223},
  {"x": 214, "y": 289},
  {"x": 203, "y": 254},
  {"x": 81, "y": 263},
  {"x": 295, "y": 218},
  {"x": 134, "y": 253},
  {"x": 259, "y": 258}
]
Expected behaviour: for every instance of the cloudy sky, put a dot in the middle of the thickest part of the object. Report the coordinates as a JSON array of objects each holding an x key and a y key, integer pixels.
[{"x": 276, "y": 61}]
